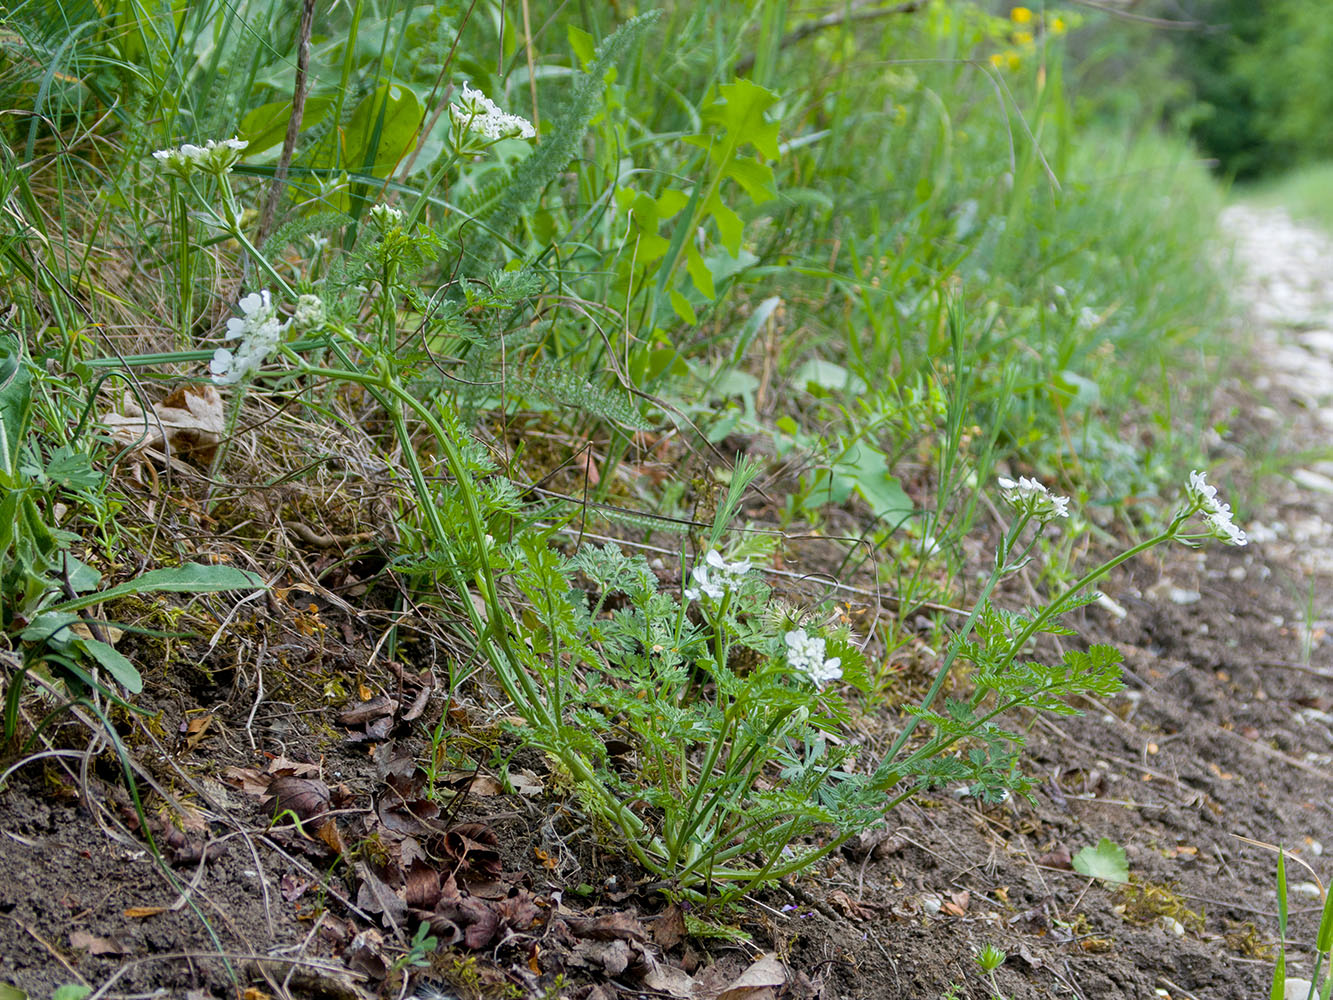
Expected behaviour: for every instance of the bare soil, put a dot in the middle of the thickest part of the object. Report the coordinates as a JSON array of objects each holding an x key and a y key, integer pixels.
[{"x": 1224, "y": 732}]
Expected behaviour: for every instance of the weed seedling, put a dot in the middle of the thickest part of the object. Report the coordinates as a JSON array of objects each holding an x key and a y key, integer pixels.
[{"x": 989, "y": 958}]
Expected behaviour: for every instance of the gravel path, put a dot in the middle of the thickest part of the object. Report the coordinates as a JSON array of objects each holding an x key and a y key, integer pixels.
[{"x": 1285, "y": 272}]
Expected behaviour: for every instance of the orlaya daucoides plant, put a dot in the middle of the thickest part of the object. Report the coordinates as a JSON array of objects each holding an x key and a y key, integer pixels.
[{"x": 733, "y": 764}]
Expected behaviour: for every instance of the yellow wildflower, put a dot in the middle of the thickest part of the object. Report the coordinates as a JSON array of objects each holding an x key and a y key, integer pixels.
[
  {"x": 1022, "y": 38},
  {"x": 1057, "y": 26},
  {"x": 997, "y": 59},
  {"x": 1013, "y": 60},
  {"x": 1020, "y": 15}
]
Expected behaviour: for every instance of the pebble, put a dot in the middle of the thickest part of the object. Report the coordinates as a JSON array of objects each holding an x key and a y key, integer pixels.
[{"x": 1307, "y": 889}]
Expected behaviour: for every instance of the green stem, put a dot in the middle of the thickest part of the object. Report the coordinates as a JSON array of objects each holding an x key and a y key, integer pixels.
[{"x": 956, "y": 645}]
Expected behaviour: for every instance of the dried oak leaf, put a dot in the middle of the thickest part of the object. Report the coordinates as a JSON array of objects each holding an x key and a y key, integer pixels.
[
  {"x": 476, "y": 846},
  {"x": 308, "y": 798},
  {"x": 469, "y": 920},
  {"x": 374, "y": 896},
  {"x": 611, "y": 957},
  {"x": 423, "y": 886},
  {"x": 668, "y": 927},
  {"x": 760, "y": 981},
  {"x": 479, "y": 922},
  {"x": 366, "y": 955},
  {"x": 404, "y": 816},
  {"x": 368, "y": 711},
  {"x": 622, "y": 926},
  {"x": 247, "y": 779},
  {"x": 189, "y": 423}
]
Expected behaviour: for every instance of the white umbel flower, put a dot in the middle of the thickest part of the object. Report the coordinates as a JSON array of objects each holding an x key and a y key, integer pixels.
[
  {"x": 476, "y": 112},
  {"x": 259, "y": 332},
  {"x": 1027, "y": 496},
  {"x": 805, "y": 655},
  {"x": 716, "y": 577},
  {"x": 1216, "y": 514},
  {"x": 215, "y": 157}
]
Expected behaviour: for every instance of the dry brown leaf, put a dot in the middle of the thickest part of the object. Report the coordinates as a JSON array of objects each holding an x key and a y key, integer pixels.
[
  {"x": 93, "y": 945},
  {"x": 247, "y": 779},
  {"x": 759, "y": 982},
  {"x": 196, "y": 729},
  {"x": 956, "y": 905},
  {"x": 525, "y": 782},
  {"x": 669, "y": 979},
  {"x": 668, "y": 929},
  {"x": 139, "y": 912},
  {"x": 328, "y": 833},
  {"x": 189, "y": 423},
  {"x": 484, "y": 785},
  {"x": 307, "y": 797}
]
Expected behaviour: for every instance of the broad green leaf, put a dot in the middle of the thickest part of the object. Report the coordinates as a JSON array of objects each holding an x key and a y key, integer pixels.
[
  {"x": 70, "y": 991},
  {"x": 8, "y": 992},
  {"x": 1106, "y": 861},
  {"x": 866, "y": 470},
  {"x": 72, "y": 470},
  {"x": 50, "y": 626},
  {"x": 82, "y": 577},
  {"x": 829, "y": 377},
  {"x": 670, "y": 202},
  {"x": 582, "y": 44},
  {"x": 755, "y": 177},
  {"x": 266, "y": 126},
  {"x": 114, "y": 663},
  {"x": 729, "y": 225},
  {"x": 382, "y": 129},
  {"x": 192, "y": 578},
  {"x": 699, "y": 273},
  {"x": 740, "y": 110},
  {"x": 683, "y": 308}
]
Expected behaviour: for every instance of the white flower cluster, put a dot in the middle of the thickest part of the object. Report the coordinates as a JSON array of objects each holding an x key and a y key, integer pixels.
[
  {"x": 716, "y": 577},
  {"x": 310, "y": 314},
  {"x": 805, "y": 654},
  {"x": 213, "y": 157},
  {"x": 259, "y": 332},
  {"x": 1027, "y": 496},
  {"x": 476, "y": 112},
  {"x": 1215, "y": 512}
]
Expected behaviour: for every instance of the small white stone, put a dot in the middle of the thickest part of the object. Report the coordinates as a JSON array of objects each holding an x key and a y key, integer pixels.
[
  {"x": 1183, "y": 596},
  {"x": 1173, "y": 926},
  {"x": 1296, "y": 989},
  {"x": 1311, "y": 480},
  {"x": 1307, "y": 889}
]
